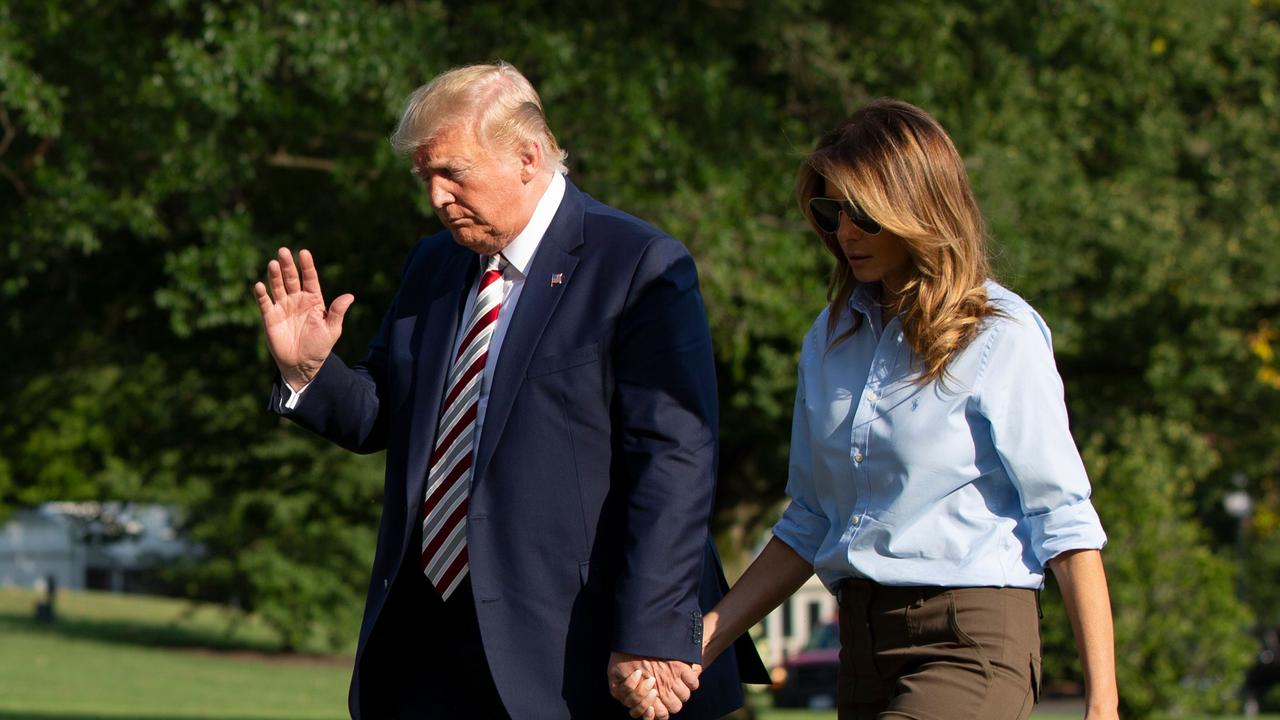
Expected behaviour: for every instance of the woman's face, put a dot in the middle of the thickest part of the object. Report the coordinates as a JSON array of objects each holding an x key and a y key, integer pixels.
[{"x": 879, "y": 258}]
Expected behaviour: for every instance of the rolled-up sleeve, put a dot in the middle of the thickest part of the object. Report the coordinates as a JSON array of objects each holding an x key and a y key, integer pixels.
[
  {"x": 802, "y": 525},
  {"x": 1020, "y": 393}
]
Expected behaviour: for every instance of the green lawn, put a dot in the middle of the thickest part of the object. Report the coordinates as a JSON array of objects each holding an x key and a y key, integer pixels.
[
  {"x": 114, "y": 656},
  {"x": 771, "y": 714},
  {"x": 153, "y": 659},
  {"x": 764, "y": 712}
]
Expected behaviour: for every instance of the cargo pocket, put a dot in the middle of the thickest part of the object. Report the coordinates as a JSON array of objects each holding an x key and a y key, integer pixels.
[{"x": 965, "y": 638}]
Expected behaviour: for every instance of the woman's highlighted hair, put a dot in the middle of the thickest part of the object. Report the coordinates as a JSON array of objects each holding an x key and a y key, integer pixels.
[{"x": 898, "y": 164}]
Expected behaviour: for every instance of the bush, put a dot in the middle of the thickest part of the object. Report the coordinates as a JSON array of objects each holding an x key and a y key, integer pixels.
[{"x": 1182, "y": 642}]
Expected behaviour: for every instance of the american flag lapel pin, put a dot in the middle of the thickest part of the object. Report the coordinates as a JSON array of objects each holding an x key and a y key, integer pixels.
[{"x": 557, "y": 279}]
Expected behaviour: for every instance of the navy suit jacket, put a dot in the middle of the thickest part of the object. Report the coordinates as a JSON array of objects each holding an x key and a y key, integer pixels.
[{"x": 594, "y": 472}]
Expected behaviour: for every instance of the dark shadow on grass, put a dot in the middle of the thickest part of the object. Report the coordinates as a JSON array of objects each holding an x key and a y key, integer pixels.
[{"x": 127, "y": 632}]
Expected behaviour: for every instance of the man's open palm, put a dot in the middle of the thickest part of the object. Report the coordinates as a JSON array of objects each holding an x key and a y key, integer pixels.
[{"x": 301, "y": 332}]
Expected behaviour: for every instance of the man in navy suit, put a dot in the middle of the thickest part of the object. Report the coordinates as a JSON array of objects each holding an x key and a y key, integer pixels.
[{"x": 543, "y": 384}]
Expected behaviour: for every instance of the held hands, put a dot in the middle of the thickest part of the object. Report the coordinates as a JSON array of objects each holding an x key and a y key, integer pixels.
[
  {"x": 653, "y": 689},
  {"x": 300, "y": 331}
]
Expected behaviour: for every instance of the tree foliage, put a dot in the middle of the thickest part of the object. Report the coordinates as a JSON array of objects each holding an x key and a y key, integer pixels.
[{"x": 152, "y": 157}]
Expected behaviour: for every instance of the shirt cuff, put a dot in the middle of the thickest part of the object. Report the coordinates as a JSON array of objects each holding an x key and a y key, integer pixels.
[
  {"x": 1074, "y": 527},
  {"x": 288, "y": 396},
  {"x": 804, "y": 531}
]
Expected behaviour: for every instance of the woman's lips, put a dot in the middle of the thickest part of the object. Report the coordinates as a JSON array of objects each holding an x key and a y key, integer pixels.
[{"x": 856, "y": 260}]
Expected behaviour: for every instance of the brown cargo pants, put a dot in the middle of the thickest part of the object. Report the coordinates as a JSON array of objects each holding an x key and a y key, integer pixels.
[{"x": 932, "y": 653}]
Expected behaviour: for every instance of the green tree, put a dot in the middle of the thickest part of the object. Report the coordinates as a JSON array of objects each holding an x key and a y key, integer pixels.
[
  {"x": 153, "y": 156},
  {"x": 1181, "y": 636}
]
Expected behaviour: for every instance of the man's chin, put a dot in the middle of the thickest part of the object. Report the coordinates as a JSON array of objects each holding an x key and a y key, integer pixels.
[{"x": 480, "y": 243}]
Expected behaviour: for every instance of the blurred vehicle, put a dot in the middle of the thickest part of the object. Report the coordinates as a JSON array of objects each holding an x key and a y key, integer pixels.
[
  {"x": 808, "y": 678},
  {"x": 1265, "y": 673}
]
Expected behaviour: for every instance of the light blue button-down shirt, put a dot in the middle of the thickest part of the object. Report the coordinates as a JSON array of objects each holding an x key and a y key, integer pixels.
[{"x": 971, "y": 481}]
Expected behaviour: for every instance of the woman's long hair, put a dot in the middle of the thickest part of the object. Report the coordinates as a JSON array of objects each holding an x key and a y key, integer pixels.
[{"x": 898, "y": 164}]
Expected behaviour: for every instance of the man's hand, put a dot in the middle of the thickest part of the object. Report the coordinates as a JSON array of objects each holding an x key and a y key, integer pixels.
[
  {"x": 652, "y": 688},
  {"x": 300, "y": 332}
]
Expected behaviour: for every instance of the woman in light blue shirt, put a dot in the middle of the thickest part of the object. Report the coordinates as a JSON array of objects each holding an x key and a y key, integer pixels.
[{"x": 933, "y": 476}]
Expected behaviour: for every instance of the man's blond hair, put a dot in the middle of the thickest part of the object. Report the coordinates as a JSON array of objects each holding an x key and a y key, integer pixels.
[{"x": 494, "y": 99}]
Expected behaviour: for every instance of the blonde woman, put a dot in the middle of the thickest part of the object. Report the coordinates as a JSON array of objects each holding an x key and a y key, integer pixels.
[{"x": 933, "y": 476}]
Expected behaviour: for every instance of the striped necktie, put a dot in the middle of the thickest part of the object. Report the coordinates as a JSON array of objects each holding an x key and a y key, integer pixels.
[{"x": 444, "y": 509}]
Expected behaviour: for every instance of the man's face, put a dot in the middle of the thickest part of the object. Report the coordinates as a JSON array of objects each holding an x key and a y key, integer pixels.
[{"x": 479, "y": 194}]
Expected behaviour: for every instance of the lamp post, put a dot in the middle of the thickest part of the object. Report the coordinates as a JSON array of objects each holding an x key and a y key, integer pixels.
[{"x": 1239, "y": 505}]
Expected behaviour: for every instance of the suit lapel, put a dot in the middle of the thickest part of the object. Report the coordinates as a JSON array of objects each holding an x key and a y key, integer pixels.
[
  {"x": 538, "y": 300},
  {"x": 433, "y": 356}
]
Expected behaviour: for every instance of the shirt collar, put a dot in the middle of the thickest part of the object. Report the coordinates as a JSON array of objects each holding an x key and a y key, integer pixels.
[
  {"x": 519, "y": 252},
  {"x": 865, "y": 298}
]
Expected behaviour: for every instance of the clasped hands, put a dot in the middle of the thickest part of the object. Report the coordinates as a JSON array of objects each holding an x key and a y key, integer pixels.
[{"x": 653, "y": 689}]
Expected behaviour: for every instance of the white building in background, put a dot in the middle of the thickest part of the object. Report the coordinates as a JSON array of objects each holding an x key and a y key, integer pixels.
[
  {"x": 87, "y": 546},
  {"x": 788, "y": 628}
]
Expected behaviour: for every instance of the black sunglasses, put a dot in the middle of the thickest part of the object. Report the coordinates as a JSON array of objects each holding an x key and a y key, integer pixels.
[{"x": 826, "y": 212}]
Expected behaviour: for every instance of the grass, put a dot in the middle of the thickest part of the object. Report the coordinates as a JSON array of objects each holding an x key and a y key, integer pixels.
[
  {"x": 772, "y": 714},
  {"x": 141, "y": 620},
  {"x": 112, "y": 656},
  {"x": 764, "y": 712}
]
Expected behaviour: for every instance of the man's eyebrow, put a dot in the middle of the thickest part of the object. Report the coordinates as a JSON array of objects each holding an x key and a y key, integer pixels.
[{"x": 448, "y": 164}]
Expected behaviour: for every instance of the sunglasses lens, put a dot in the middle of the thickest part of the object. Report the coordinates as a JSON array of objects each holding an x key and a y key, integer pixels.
[
  {"x": 826, "y": 212},
  {"x": 864, "y": 222}
]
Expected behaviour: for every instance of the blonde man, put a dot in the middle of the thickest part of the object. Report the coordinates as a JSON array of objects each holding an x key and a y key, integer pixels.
[{"x": 544, "y": 389}]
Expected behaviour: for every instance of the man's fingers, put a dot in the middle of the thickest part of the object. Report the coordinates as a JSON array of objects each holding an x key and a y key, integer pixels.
[
  {"x": 690, "y": 677},
  {"x": 276, "y": 280},
  {"x": 647, "y": 696},
  {"x": 264, "y": 300},
  {"x": 310, "y": 278},
  {"x": 337, "y": 310},
  {"x": 681, "y": 691},
  {"x": 289, "y": 271}
]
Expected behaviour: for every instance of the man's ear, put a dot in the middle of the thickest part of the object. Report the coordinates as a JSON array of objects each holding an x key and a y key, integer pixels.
[{"x": 530, "y": 155}]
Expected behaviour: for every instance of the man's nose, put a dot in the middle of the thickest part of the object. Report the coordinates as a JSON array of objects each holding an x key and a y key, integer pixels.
[{"x": 440, "y": 192}]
